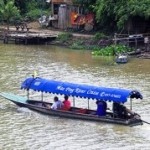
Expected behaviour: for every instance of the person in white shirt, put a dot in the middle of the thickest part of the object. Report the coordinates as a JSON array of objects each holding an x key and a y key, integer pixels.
[{"x": 57, "y": 104}]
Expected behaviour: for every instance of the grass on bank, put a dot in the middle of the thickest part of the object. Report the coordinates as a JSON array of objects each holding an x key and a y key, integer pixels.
[{"x": 92, "y": 44}]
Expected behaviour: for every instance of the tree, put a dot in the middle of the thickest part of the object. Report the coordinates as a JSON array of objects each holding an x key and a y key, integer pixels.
[
  {"x": 120, "y": 11},
  {"x": 132, "y": 8},
  {"x": 8, "y": 11},
  {"x": 87, "y": 4},
  {"x": 105, "y": 15},
  {"x": 22, "y": 5}
]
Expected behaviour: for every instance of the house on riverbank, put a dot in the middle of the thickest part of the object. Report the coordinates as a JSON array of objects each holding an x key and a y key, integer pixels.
[{"x": 67, "y": 15}]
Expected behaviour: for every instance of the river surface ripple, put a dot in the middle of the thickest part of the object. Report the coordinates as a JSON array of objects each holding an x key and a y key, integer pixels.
[{"x": 23, "y": 129}]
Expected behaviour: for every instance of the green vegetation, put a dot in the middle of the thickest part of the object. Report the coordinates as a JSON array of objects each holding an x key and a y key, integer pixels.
[
  {"x": 64, "y": 37},
  {"x": 8, "y": 11},
  {"x": 110, "y": 14},
  {"x": 78, "y": 44},
  {"x": 111, "y": 50},
  {"x": 99, "y": 35},
  {"x": 119, "y": 12},
  {"x": 116, "y": 14},
  {"x": 36, "y": 8},
  {"x": 86, "y": 4},
  {"x": 11, "y": 10}
]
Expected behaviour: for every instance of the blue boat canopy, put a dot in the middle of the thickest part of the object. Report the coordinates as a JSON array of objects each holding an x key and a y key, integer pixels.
[{"x": 80, "y": 90}]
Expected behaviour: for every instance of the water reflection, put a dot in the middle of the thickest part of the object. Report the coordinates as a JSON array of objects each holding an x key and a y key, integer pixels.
[{"x": 24, "y": 129}]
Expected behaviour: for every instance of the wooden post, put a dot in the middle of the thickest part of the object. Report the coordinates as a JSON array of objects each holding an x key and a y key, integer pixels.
[
  {"x": 146, "y": 42},
  {"x": 5, "y": 37},
  {"x": 115, "y": 38},
  {"x": 38, "y": 41},
  {"x": 115, "y": 42},
  {"x": 5, "y": 40},
  {"x": 136, "y": 43},
  {"x": 15, "y": 40},
  {"x": 26, "y": 41},
  {"x": 52, "y": 9}
]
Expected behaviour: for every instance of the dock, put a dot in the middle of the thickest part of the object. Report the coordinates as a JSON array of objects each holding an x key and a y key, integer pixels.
[{"x": 26, "y": 37}]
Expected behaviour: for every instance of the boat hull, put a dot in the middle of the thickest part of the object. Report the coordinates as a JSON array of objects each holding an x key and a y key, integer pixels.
[
  {"x": 74, "y": 113},
  {"x": 121, "y": 59}
]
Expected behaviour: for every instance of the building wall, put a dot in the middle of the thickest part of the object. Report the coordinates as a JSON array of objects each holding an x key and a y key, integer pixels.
[
  {"x": 62, "y": 1},
  {"x": 62, "y": 10},
  {"x": 64, "y": 19}
]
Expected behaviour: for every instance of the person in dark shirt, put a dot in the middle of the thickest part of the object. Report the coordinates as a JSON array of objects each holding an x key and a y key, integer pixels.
[
  {"x": 101, "y": 108},
  {"x": 119, "y": 110}
]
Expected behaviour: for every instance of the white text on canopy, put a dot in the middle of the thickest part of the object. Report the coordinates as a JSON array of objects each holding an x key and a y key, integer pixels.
[
  {"x": 77, "y": 90},
  {"x": 104, "y": 94}
]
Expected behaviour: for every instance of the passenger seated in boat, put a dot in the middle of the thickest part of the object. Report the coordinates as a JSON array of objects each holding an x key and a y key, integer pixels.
[
  {"x": 57, "y": 104},
  {"x": 101, "y": 108},
  {"x": 120, "y": 110},
  {"x": 66, "y": 103}
]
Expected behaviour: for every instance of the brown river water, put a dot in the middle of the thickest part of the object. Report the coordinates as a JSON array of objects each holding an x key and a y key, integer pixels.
[{"x": 23, "y": 129}]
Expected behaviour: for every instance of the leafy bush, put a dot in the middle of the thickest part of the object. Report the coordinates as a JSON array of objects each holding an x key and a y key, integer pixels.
[
  {"x": 78, "y": 44},
  {"x": 8, "y": 12},
  {"x": 64, "y": 37},
  {"x": 99, "y": 35},
  {"x": 35, "y": 10},
  {"x": 33, "y": 14},
  {"x": 111, "y": 50}
]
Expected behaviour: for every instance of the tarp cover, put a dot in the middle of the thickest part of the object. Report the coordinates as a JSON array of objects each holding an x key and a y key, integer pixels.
[{"x": 79, "y": 90}]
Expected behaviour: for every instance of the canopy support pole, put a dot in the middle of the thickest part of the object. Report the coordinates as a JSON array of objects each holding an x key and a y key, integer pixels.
[
  {"x": 88, "y": 104},
  {"x": 28, "y": 94},
  {"x": 73, "y": 102},
  {"x": 130, "y": 103},
  {"x": 42, "y": 96}
]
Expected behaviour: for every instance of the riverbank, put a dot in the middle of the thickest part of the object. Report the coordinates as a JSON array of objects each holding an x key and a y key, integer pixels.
[
  {"x": 77, "y": 40},
  {"x": 65, "y": 38}
]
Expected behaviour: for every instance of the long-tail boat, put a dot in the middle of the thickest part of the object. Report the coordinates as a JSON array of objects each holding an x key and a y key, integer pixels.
[{"x": 80, "y": 91}]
